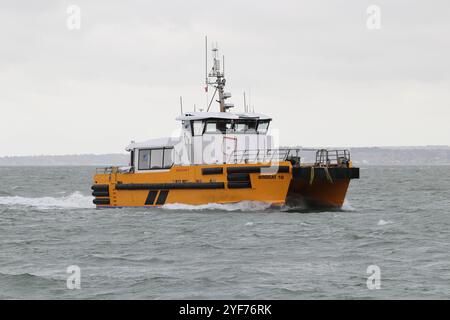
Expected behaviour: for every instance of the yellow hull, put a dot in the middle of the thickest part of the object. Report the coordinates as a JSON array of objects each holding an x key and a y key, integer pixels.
[{"x": 204, "y": 184}]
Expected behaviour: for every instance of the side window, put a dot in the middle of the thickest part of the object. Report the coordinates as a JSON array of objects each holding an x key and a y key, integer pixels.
[
  {"x": 157, "y": 159},
  {"x": 144, "y": 159},
  {"x": 168, "y": 161},
  {"x": 211, "y": 127},
  {"x": 198, "y": 128}
]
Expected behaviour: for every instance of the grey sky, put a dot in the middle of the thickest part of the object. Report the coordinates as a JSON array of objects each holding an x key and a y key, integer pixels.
[{"x": 313, "y": 65}]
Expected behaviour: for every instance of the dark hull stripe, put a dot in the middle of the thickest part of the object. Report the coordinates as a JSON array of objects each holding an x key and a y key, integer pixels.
[
  {"x": 239, "y": 185},
  {"x": 212, "y": 171},
  {"x": 101, "y": 201},
  {"x": 280, "y": 169},
  {"x": 171, "y": 186},
  {"x": 151, "y": 198},
  {"x": 238, "y": 177},
  {"x": 100, "y": 187},
  {"x": 162, "y": 197},
  {"x": 304, "y": 173},
  {"x": 100, "y": 193}
]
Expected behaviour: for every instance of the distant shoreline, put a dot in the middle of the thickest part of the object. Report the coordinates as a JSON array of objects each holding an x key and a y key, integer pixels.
[{"x": 361, "y": 156}]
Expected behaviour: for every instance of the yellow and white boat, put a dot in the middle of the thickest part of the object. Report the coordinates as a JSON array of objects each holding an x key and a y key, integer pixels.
[{"x": 224, "y": 157}]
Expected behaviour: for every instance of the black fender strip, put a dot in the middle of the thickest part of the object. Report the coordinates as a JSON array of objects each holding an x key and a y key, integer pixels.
[
  {"x": 251, "y": 169},
  {"x": 212, "y": 171},
  {"x": 100, "y": 187},
  {"x": 101, "y": 201},
  {"x": 238, "y": 177},
  {"x": 171, "y": 186},
  {"x": 239, "y": 185},
  {"x": 304, "y": 173},
  {"x": 100, "y": 193}
]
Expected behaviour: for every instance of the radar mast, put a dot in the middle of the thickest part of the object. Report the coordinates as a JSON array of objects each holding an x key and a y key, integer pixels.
[{"x": 216, "y": 78}]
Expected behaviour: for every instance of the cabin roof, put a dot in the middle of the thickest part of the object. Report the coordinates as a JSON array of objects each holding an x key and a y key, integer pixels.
[
  {"x": 221, "y": 115},
  {"x": 154, "y": 143}
]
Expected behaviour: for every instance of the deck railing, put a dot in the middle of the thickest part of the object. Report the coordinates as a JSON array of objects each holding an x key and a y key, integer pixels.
[
  {"x": 254, "y": 156},
  {"x": 109, "y": 170},
  {"x": 318, "y": 157},
  {"x": 104, "y": 170}
]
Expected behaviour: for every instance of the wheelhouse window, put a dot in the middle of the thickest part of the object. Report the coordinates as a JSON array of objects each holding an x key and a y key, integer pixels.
[
  {"x": 246, "y": 126},
  {"x": 224, "y": 126},
  {"x": 263, "y": 126},
  {"x": 219, "y": 126},
  {"x": 211, "y": 127},
  {"x": 157, "y": 159},
  {"x": 144, "y": 159},
  {"x": 153, "y": 159},
  {"x": 197, "y": 127},
  {"x": 168, "y": 158}
]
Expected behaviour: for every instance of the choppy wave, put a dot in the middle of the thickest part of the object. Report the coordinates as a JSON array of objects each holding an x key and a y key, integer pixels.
[
  {"x": 75, "y": 200},
  {"x": 239, "y": 206}
]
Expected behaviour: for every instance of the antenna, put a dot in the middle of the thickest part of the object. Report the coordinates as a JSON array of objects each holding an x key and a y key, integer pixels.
[
  {"x": 245, "y": 103},
  {"x": 181, "y": 104},
  {"x": 206, "y": 63},
  {"x": 206, "y": 70},
  {"x": 249, "y": 99}
]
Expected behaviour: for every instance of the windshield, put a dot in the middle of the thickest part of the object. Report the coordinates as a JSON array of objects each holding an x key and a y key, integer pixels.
[
  {"x": 263, "y": 127},
  {"x": 246, "y": 126}
]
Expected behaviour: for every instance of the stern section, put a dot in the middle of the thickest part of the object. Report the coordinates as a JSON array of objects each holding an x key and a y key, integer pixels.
[{"x": 320, "y": 186}]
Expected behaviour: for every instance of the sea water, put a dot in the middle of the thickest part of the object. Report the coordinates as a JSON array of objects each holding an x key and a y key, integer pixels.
[{"x": 396, "y": 220}]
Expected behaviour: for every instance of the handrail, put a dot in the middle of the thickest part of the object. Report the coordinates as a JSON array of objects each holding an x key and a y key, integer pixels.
[
  {"x": 114, "y": 169},
  {"x": 258, "y": 155},
  {"x": 323, "y": 157}
]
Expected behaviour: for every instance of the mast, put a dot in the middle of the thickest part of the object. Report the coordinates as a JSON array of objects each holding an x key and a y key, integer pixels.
[{"x": 216, "y": 78}]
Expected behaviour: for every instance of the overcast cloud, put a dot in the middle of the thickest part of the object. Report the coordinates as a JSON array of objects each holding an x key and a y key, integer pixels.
[{"x": 313, "y": 65}]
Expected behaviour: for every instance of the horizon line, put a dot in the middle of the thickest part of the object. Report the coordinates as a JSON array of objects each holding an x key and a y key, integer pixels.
[{"x": 125, "y": 153}]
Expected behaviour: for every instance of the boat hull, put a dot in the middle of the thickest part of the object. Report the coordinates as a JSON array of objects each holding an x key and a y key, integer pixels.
[{"x": 278, "y": 184}]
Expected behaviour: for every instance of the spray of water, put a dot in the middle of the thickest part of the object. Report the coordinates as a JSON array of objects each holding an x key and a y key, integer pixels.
[
  {"x": 75, "y": 200},
  {"x": 247, "y": 206}
]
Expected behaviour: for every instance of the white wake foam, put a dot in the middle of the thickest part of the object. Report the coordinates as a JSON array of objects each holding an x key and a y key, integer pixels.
[
  {"x": 239, "y": 206},
  {"x": 73, "y": 201},
  {"x": 383, "y": 222},
  {"x": 347, "y": 206}
]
